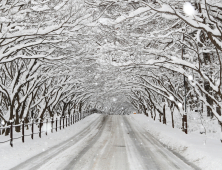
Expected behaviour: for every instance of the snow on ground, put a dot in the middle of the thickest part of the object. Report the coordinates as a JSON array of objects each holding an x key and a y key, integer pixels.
[
  {"x": 198, "y": 123},
  {"x": 203, "y": 151},
  {"x": 23, "y": 151}
]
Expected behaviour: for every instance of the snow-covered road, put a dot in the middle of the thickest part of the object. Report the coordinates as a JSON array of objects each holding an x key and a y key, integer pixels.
[{"x": 109, "y": 143}]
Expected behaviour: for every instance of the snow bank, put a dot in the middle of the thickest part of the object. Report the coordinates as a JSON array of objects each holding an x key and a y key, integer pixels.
[
  {"x": 11, "y": 157},
  {"x": 204, "y": 152}
]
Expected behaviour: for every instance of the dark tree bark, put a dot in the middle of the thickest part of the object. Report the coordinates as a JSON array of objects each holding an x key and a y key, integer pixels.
[
  {"x": 209, "y": 100},
  {"x": 154, "y": 114},
  {"x": 171, "y": 110},
  {"x": 164, "y": 114}
]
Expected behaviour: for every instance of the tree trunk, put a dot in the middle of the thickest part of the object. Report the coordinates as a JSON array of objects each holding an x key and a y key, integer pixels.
[
  {"x": 151, "y": 112},
  {"x": 209, "y": 100},
  {"x": 144, "y": 108},
  {"x": 172, "y": 109},
  {"x": 7, "y": 131},
  {"x": 164, "y": 114},
  {"x": 183, "y": 123},
  {"x": 154, "y": 114},
  {"x": 23, "y": 109},
  {"x": 172, "y": 118},
  {"x": 26, "y": 120},
  {"x": 43, "y": 112},
  {"x": 50, "y": 112},
  {"x": 80, "y": 107},
  {"x": 17, "y": 118},
  {"x": 17, "y": 128},
  {"x": 221, "y": 132}
]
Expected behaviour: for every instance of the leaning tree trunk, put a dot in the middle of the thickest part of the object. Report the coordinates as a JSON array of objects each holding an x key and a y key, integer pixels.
[
  {"x": 145, "y": 110},
  {"x": 151, "y": 112}
]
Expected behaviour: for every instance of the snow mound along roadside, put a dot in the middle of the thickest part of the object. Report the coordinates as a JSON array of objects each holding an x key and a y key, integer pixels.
[
  {"x": 12, "y": 156},
  {"x": 206, "y": 153}
]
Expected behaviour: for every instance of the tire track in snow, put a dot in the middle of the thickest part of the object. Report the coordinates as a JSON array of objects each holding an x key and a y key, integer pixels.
[
  {"x": 73, "y": 162},
  {"x": 153, "y": 152},
  {"x": 37, "y": 161}
]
